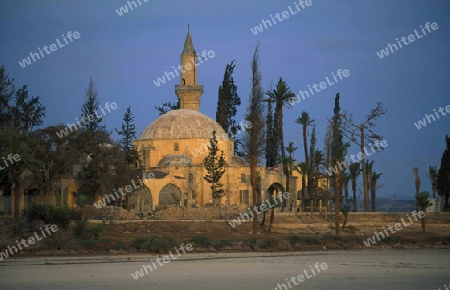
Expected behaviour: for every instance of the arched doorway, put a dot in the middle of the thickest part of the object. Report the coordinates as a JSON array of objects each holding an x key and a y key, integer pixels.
[
  {"x": 274, "y": 190},
  {"x": 170, "y": 195}
]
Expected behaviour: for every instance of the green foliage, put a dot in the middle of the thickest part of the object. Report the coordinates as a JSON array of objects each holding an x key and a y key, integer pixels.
[
  {"x": 443, "y": 176},
  {"x": 422, "y": 200},
  {"x": 227, "y": 104},
  {"x": 201, "y": 241},
  {"x": 167, "y": 107},
  {"x": 138, "y": 242},
  {"x": 80, "y": 229},
  {"x": 293, "y": 239},
  {"x": 95, "y": 231},
  {"x": 61, "y": 216},
  {"x": 252, "y": 241},
  {"x": 215, "y": 167},
  {"x": 394, "y": 240},
  {"x": 158, "y": 244},
  {"x": 128, "y": 134},
  {"x": 269, "y": 243},
  {"x": 223, "y": 243},
  {"x": 309, "y": 241},
  {"x": 88, "y": 244}
]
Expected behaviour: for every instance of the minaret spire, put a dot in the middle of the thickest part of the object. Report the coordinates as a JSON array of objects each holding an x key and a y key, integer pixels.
[{"x": 188, "y": 92}]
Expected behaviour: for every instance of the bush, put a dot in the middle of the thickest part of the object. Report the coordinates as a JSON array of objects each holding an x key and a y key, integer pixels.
[
  {"x": 120, "y": 245},
  {"x": 309, "y": 240},
  {"x": 223, "y": 243},
  {"x": 158, "y": 244},
  {"x": 58, "y": 243},
  {"x": 88, "y": 244},
  {"x": 269, "y": 243},
  {"x": 201, "y": 241},
  {"x": 95, "y": 231},
  {"x": 138, "y": 242},
  {"x": 61, "y": 216},
  {"x": 293, "y": 239},
  {"x": 252, "y": 241},
  {"x": 80, "y": 229},
  {"x": 394, "y": 239}
]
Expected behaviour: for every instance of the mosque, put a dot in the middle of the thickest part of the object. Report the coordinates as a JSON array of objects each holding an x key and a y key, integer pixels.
[{"x": 173, "y": 147}]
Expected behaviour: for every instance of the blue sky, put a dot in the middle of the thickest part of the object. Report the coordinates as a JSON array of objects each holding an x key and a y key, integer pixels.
[{"x": 124, "y": 54}]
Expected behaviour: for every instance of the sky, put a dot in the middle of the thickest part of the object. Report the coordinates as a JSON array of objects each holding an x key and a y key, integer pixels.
[{"x": 125, "y": 54}]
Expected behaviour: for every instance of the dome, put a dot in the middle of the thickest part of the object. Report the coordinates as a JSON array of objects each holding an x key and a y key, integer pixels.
[
  {"x": 183, "y": 124},
  {"x": 175, "y": 160}
]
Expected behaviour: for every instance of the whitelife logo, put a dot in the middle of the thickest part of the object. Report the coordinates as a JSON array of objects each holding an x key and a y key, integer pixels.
[
  {"x": 411, "y": 38},
  {"x": 49, "y": 229},
  {"x": 53, "y": 47},
  {"x": 284, "y": 14},
  {"x": 397, "y": 226},
  {"x": 166, "y": 259}
]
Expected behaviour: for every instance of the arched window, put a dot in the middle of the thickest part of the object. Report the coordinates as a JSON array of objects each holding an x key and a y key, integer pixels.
[{"x": 176, "y": 147}]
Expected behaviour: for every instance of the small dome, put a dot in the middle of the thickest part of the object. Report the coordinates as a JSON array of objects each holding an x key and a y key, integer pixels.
[
  {"x": 183, "y": 124},
  {"x": 175, "y": 160},
  {"x": 238, "y": 161}
]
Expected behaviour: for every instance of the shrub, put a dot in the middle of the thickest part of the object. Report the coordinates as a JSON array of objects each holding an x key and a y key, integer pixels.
[
  {"x": 293, "y": 239},
  {"x": 138, "y": 242},
  {"x": 61, "y": 216},
  {"x": 394, "y": 239},
  {"x": 201, "y": 241},
  {"x": 120, "y": 245},
  {"x": 88, "y": 244},
  {"x": 95, "y": 231},
  {"x": 252, "y": 241},
  {"x": 309, "y": 240},
  {"x": 158, "y": 244},
  {"x": 80, "y": 229},
  {"x": 58, "y": 243},
  {"x": 269, "y": 243},
  {"x": 223, "y": 243}
]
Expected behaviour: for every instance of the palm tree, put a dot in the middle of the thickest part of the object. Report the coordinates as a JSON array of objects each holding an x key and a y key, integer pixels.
[
  {"x": 373, "y": 188},
  {"x": 355, "y": 171},
  {"x": 280, "y": 97},
  {"x": 432, "y": 175},
  {"x": 305, "y": 121}
]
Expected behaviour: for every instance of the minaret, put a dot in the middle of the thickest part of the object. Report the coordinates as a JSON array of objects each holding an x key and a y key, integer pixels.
[{"x": 188, "y": 92}]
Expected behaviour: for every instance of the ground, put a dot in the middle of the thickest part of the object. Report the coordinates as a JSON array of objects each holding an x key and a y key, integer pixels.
[{"x": 346, "y": 270}]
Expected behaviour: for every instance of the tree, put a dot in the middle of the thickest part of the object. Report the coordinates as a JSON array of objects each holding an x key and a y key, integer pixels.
[
  {"x": 443, "y": 177},
  {"x": 345, "y": 181},
  {"x": 271, "y": 139},
  {"x": 305, "y": 121},
  {"x": 254, "y": 145},
  {"x": 363, "y": 133},
  {"x": 422, "y": 202},
  {"x": 416, "y": 179},
  {"x": 303, "y": 168},
  {"x": 7, "y": 91},
  {"x": 338, "y": 151},
  {"x": 227, "y": 103},
  {"x": 167, "y": 107},
  {"x": 216, "y": 166},
  {"x": 432, "y": 175},
  {"x": 280, "y": 97},
  {"x": 90, "y": 108},
  {"x": 369, "y": 171},
  {"x": 355, "y": 171},
  {"x": 373, "y": 189},
  {"x": 20, "y": 115},
  {"x": 128, "y": 134}
]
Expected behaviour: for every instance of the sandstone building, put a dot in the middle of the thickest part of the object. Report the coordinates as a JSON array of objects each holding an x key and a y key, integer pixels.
[{"x": 175, "y": 145}]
